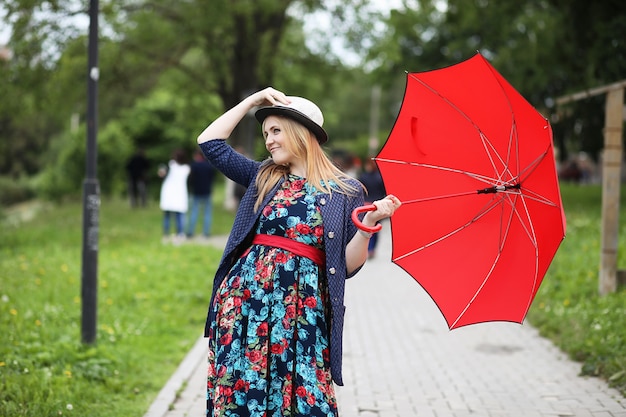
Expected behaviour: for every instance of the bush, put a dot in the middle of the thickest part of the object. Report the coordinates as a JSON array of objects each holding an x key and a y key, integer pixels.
[
  {"x": 15, "y": 191},
  {"x": 66, "y": 169}
]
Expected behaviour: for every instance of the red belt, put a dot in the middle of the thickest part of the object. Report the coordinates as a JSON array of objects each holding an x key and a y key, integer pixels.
[{"x": 301, "y": 249}]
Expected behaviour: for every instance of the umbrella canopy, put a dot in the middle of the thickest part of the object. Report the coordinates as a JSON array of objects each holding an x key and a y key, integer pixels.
[{"x": 473, "y": 164}]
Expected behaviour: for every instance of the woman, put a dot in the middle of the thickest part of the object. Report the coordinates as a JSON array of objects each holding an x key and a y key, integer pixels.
[
  {"x": 275, "y": 319},
  {"x": 174, "y": 199}
]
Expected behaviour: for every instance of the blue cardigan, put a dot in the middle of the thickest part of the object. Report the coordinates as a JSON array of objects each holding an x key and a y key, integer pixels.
[{"x": 339, "y": 229}]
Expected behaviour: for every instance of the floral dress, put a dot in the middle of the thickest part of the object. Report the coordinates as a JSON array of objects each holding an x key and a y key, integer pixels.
[{"x": 269, "y": 345}]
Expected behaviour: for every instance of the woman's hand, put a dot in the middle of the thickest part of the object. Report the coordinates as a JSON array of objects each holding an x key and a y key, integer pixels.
[
  {"x": 385, "y": 208},
  {"x": 356, "y": 251},
  {"x": 223, "y": 126},
  {"x": 268, "y": 97}
]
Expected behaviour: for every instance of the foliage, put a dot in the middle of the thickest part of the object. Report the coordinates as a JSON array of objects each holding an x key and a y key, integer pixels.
[
  {"x": 15, "y": 191},
  {"x": 65, "y": 170},
  {"x": 167, "y": 70},
  {"x": 538, "y": 45},
  {"x": 151, "y": 310},
  {"x": 568, "y": 309}
]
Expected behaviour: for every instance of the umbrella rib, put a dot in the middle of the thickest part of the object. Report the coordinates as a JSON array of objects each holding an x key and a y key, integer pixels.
[
  {"x": 531, "y": 195},
  {"x": 513, "y": 137},
  {"x": 488, "y": 207},
  {"x": 490, "y": 154},
  {"x": 483, "y": 178},
  {"x": 530, "y": 231},
  {"x": 467, "y": 306},
  {"x": 484, "y": 139},
  {"x": 503, "y": 239},
  {"x": 530, "y": 168}
]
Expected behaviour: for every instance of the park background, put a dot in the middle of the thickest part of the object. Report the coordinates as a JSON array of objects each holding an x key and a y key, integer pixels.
[{"x": 166, "y": 70}]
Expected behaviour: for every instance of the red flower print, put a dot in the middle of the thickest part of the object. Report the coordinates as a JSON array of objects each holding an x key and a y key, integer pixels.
[
  {"x": 310, "y": 302},
  {"x": 236, "y": 282},
  {"x": 318, "y": 231},
  {"x": 326, "y": 355},
  {"x": 262, "y": 268},
  {"x": 237, "y": 301},
  {"x": 277, "y": 349},
  {"x": 321, "y": 375},
  {"x": 246, "y": 294},
  {"x": 301, "y": 391},
  {"x": 303, "y": 229},
  {"x": 286, "y": 401},
  {"x": 281, "y": 258},
  {"x": 310, "y": 399},
  {"x": 262, "y": 329},
  {"x": 267, "y": 210},
  {"x": 240, "y": 385},
  {"x": 297, "y": 185},
  {"x": 290, "y": 311},
  {"x": 254, "y": 356},
  {"x": 226, "y": 339}
]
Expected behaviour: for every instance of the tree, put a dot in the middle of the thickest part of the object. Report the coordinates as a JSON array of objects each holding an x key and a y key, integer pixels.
[
  {"x": 540, "y": 46},
  {"x": 198, "y": 48}
]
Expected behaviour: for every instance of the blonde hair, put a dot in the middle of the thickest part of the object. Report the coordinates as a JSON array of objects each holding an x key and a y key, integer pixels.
[{"x": 320, "y": 170}]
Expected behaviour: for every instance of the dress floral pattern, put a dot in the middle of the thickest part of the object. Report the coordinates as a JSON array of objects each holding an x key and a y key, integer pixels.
[{"x": 269, "y": 345}]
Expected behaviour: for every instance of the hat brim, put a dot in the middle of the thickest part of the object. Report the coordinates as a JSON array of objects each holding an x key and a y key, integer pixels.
[{"x": 319, "y": 132}]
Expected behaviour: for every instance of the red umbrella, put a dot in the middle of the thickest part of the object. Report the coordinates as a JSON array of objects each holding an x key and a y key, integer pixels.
[{"x": 473, "y": 164}]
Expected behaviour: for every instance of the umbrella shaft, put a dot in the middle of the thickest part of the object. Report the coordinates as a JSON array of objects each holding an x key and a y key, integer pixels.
[{"x": 498, "y": 188}]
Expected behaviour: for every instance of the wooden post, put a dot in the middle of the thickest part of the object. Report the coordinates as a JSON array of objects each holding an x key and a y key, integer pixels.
[{"x": 611, "y": 167}]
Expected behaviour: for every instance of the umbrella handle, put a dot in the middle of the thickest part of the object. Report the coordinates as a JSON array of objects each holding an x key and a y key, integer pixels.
[{"x": 357, "y": 222}]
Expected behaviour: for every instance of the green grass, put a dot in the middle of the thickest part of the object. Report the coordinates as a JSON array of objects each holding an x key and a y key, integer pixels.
[
  {"x": 151, "y": 310},
  {"x": 568, "y": 310},
  {"x": 153, "y": 299}
]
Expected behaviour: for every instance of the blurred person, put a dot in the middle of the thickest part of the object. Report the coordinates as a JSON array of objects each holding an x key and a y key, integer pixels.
[
  {"x": 373, "y": 182},
  {"x": 174, "y": 199},
  {"x": 201, "y": 178},
  {"x": 136, "y": 169}
]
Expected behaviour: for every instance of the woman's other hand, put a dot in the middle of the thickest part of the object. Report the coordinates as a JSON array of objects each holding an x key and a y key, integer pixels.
[{"x": 385, "y": 208}]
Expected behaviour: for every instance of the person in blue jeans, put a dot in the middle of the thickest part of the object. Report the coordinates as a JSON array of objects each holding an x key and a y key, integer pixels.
[
  {"x": 174, "y": 199},
  {"x": 201, "y": 188}
]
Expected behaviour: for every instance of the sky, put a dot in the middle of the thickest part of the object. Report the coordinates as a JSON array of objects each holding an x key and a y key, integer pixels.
[{"x": 321, "y": 22}]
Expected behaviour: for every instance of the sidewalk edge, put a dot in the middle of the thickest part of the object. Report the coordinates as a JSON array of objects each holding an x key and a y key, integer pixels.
[{"x": 167, "y": 396}]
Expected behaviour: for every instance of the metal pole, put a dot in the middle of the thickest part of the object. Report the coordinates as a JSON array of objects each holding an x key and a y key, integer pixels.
[{"x": 91, "y": 190}]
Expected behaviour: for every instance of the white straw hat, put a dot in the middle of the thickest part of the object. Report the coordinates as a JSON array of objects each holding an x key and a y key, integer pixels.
[{"x": 302, "y": 111}]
